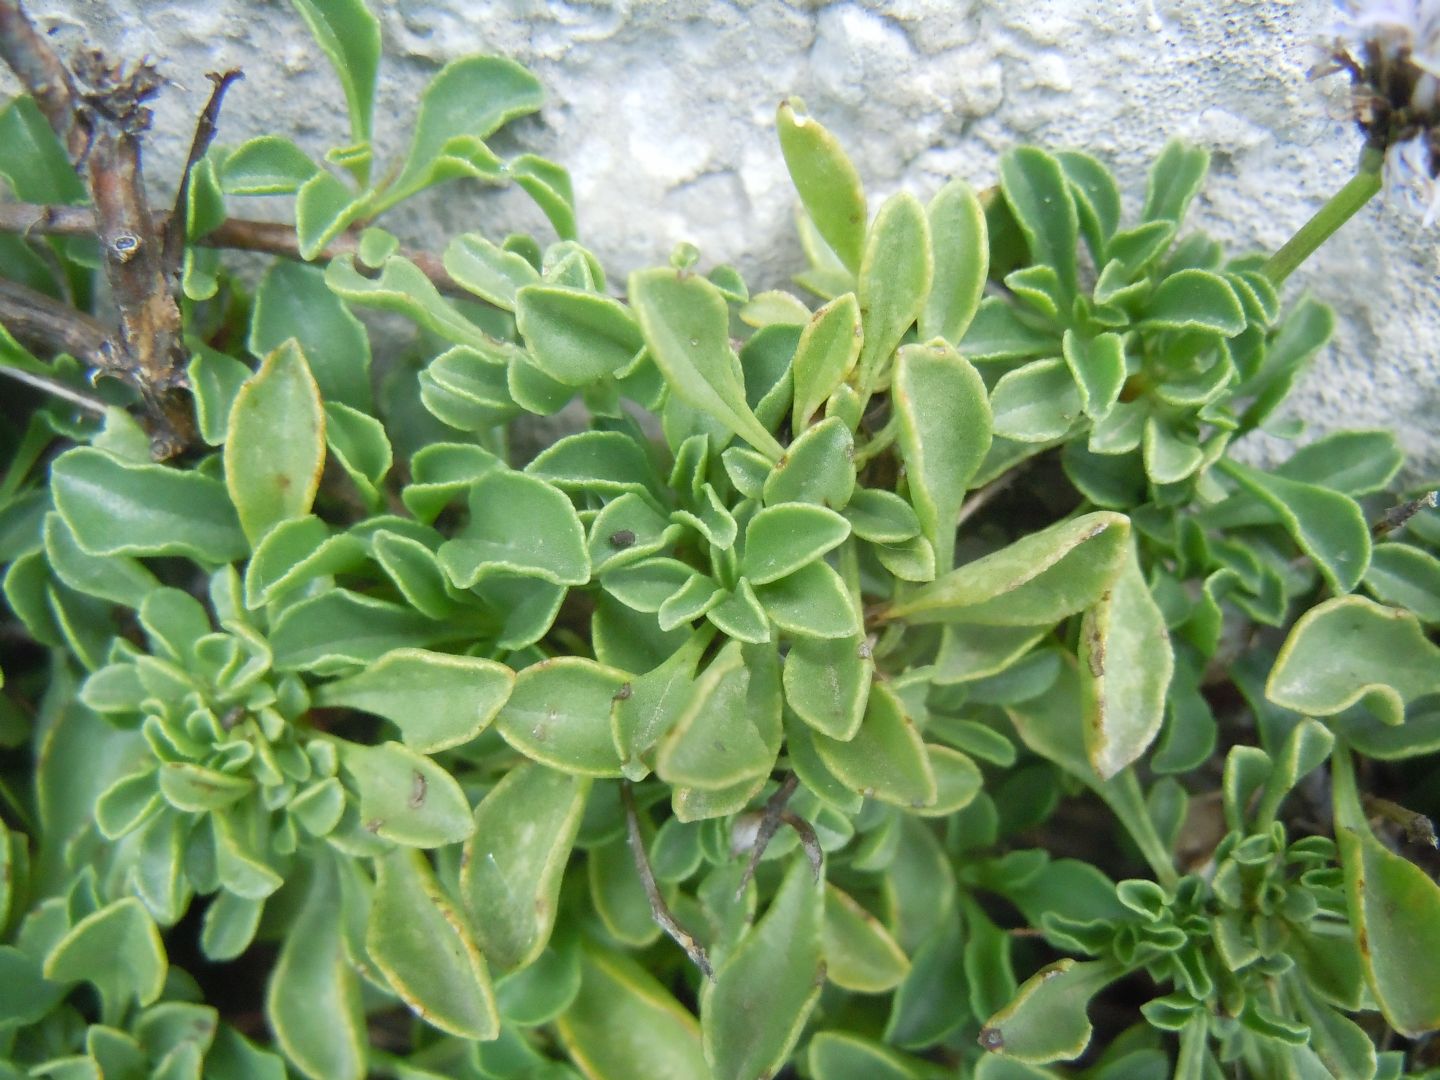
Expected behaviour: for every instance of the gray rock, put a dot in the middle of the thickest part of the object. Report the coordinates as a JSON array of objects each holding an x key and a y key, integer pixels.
[{"x": 663, "y": 113}]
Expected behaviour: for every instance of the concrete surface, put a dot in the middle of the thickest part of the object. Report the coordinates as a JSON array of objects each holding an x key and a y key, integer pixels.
[{"x": 663, "y": 113}]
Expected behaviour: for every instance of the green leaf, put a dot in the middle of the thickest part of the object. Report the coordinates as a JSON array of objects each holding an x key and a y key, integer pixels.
[
  {"x": 1327, "y": 526},
  {"x": 118, "y": 949},
  {"x": 465, "y": 390},
  {"x": 933, "y": 1000},
  {"x": 513, "y": 863},
  {"x": 728, "y": 733},
  {"x": 406, "y": 798},
  {"x": 811, "y": 602},
  {"x": 841, "y": 1055},
  {"x": 576, "y": 337},
  {"x": 324, "y": 208},
  {"x": 275, "y": 446},
  {"x": 961, "y": 256},
  {"x": 1098, "y": 368},
  {"x": 1169, "y": 455},
  {"x": 692, "y": 600},
  {"x": 548, "y": 184},
  {"x": 1097, "y": 199},
  {"x": 881, "y": 517},
  {"x": 818, "y": 467},
  {"x": 313, "y": 1001},
  {"x": 957, "y": 778},
  {"x": 617, "y": 895},
  {"x": 215, "y": 379},
  {"x": 827, "y": 683},
  {"x": 753, "y": 1011},
  {"x": 441, "y": 471},
  {"x": 294, "y": 552},
  {"x": 467, "y": 102},
  {"x": 1394, "y": 913},
  {"x": 894, "y": 283},
  {"x": 33, "y": 162},
  {"x": 293, "y": 301},
  {"x": 359, "y": 445},
  {"x": 1046, "y": 1021},
  {"x": 1036, "y": 403},
  {"x": 1351, "y": 462},
  {"x": 350, "y": 36},
  {"x": 339, "y": 628},
  {"x": 1039, "y": 579},
  {"x": 945, "y": 423},
  {"x": 1343, "y": 1047},
  {"x": 1406, "y": 577},
  {"x": 197, "y": 790},
  {"x": 886, "y": 759},
  {"x": 653, "y": 704},
  {"x": 607, "y": 463},
  {"x": 621, "y": 1017},
  {"x": 521, "y": 525},
  {"x": 999, "y": 333},
  {"x": 1351, "y": 650},
  {"x": 265, "y": 165},
  {"x": 487, "y": 270},
  {"x": 1195, "y": 300},
  {"x": 827, "y": 182},
  {"x": 781, "y": 539},
  {"x": 1178, "y": 173},
  {"x": 1039, "y": 196},
  {"x": 437, "y": 700},
  {"x": 115, "y": 578},
  {"x": 543, "y": 990},
  {"x": 860, "y": 954},
  {"x": 117, "y": 508},
  {"x": 686, "y": 326},
  {"x": 1125, "y": 666},
  {"x": 426, "y": 950},
  {"x": 828, "y": 349},
  {"x": 774, "y": 308},
  {"x": 741, "y": 616},
  {"x": 402, "y": 287},
  {"x": 559, "y": 714}
]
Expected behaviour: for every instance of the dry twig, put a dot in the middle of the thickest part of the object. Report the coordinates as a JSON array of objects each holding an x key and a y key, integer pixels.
[{"x": 659, "y": 910}]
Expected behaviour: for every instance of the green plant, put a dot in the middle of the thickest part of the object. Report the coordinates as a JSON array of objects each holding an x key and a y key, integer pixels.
[{"x": 871, "y": 653}]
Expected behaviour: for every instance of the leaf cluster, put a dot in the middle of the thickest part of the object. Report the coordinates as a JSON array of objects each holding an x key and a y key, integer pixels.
[{"x": 874, "y": 652}]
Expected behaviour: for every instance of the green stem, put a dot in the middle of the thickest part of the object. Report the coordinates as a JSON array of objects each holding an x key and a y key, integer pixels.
[
  {"x": 1340, "y": 209},
  {"x": 1127, "y": 802}
]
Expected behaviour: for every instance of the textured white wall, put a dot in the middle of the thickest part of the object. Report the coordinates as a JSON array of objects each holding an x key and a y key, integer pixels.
[{"x": 663, "y": 111}]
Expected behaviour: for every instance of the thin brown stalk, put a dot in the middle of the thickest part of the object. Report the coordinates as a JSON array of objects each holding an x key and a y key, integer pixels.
[
  {"x": 47, "y": 327},
  {"x": 235, "y": 234},
  {"x": 55, "y": 388},
  {"x": 205, "y": 130},
  {"x": 27, "y": 53},
  {"x": 659, "y": 910}
]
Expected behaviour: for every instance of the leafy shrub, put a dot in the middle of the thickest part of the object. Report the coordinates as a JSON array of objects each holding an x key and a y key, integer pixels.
[{"x": 878, "y": 655}]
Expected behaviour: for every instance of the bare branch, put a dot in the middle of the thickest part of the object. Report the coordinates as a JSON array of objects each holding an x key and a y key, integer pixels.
[
  {"x": 1397, "y": 516},
  {"x": 27, "y": 53},
  {"x": 205, "y": 129},
  {"x": 48, "y": 327},
  {"x": 236, "y": 234},
  {"x": 56, "y": 388},
  {"x": 659, "y": 910},
  {"x": 770, "y": 820}
]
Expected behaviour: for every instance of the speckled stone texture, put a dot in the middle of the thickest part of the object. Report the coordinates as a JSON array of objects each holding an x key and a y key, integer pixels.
[{"x": 663, "y": 113}]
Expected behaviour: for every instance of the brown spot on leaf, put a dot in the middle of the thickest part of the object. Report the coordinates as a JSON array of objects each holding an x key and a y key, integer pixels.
[
  {"x": 418, "y": 786},
  {"x": 623, "y": 693},
  {"x": 991, "y": 1039}
]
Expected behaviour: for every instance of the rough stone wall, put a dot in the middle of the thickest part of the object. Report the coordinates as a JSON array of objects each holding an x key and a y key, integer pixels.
[{"x": 663, "y": 113}]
